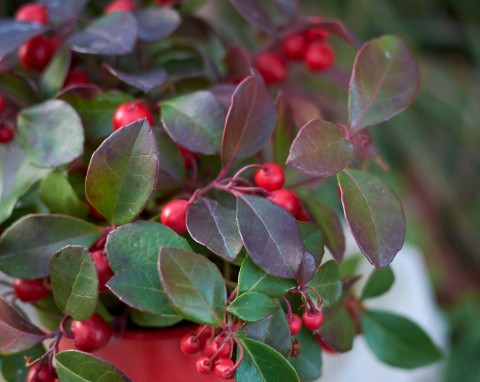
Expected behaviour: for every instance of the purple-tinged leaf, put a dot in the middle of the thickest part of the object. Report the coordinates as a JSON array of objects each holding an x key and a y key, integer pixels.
[
  {"x": 16, "y": 332},
  {"x": 270, "y": 235},
  {"x": 312, "y": 240},
  {"x": 337, "y": 28},
  {"x": 385, "y": 80},
  {"x": 156, "y": 23},
  {"x": 223, "y": 92},
  {"x": 238, "y": 63},
  {"x": 193, "y": 284},
  {"x": 320, "y": 149},
  {"x": 284, "y": 129},
  {"x": 146, "y": 81},
  {"x": 307, "y": 268},
  {"x": 123, "y": 173},
  {"x": 303, "y": 109},
  {"x": 215, "y": 227},
  {"x": 14, "y": 33},
  {"x": 374, "y": 214},
  {"x": 171, "y": 172},
  {"x": 195, "y": 121},
  {"x": 112, "y": 35},
  {"x": 250, "y": 121},
  {"x": 63, "y": 10},
  {"x": 338, "y": 329}
]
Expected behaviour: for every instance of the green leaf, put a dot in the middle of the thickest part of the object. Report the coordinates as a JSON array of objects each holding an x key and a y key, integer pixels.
[
  {"x": 60, "y": 197},
  {"x": 47, "y": 234},
  {"x": 309, "y": 363},
  {"x": 327, "y": 283},
  {"x": 74, "y": 282},
  {"x": 313, "y": 240},
  {"x": 148, "y": 320},
  {"x": 254, "y": 279},
  {"x": 13, "y": 367},
  {"x": 18, "y": 88},
  {"x": 42, "y": 130},
  {"x": 263, "y": 364},
  {"x": 284, "y": 133},
  {"x": 398, "y": 341},
  {"x": 338, "y": 329},
  {"x": 253, "y": 306},
  {"x": 194, "y": 285},
  {"x": 171, "y": 172},
  {"x": 123, "y": 173},
  {"x": 349, "y": 266},
  {"x": 76, "y": 366},
  {"x": 374, "y": 214},
  {"x": 54, "y": 75},
  {"x": 379, "y": 282}
]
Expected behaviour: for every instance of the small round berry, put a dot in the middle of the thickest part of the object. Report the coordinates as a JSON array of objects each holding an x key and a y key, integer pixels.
[
  {"x": 91, "y": 334},
  {"x": 174, "y": 215},
  {"x": 224, "y": 345},
  {"x": 294, "y": 323},
  {"x": 204, "y": 365},
  {"x": 271, "y": 177},
  {"x": 76, "y": 77},
  {"x": 120, "y": 6},
  {"x": 6, "y": 134},
  {"x": 224, "y": 368},
  {"x": 204, "y": 332},
  {"x": 320, "y": 56},
  {"x": 317, "y": 34},
  {"x": 207, "y": 350},
  {"x": 312, "y": 319},
  {"x": 190, "y": 344},
  {"x": 272, "y": 67},
  {"x": 32, "y": 13},
  {"x": 35, "y": 53},
  {"x": 287, "y": 199},
  {"x": 30, "y": 290},
  {"x": 295, "y": 46},
  {"x": 45, "y": 374},
  {"x": 302, "y": 215},
  {"x": 2, "y": 103},
  {"x": 104, "y": 271},
  {"x": 129, "y": 112}
]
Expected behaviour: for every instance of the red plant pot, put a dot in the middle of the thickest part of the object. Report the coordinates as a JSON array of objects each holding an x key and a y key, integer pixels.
[{"x": 146, "y": 356}]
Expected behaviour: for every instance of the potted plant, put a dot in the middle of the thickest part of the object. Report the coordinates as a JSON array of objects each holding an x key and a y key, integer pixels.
[{"x": 159, "y": 181}]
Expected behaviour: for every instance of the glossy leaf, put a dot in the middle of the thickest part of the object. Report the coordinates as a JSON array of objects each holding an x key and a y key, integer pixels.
[
  {"x": 74, "y": 281},
  {"x": 338, "y": 329},
  {"x": 146, "y": 80},
  {"x": 16, "y": 332},
  {"x": 327, "y": 283},
  {"x": 309, "y": 362},
  {"x": 379, "y": 282},
  {"x": 54, "y": 75},
  {"x": 263, "y": 364},
  {"x": 397, "y": 341},
  {"x": 284, "y": 130},
  {"x": 171, "y": 172},
  {"x": 385, "y": 80},
  {"x": 270, "y": 235},
  {"x": 320, "y": 149},
  {"x": 250, "y": 121},
  {"x": 123, "y": 172},
  {"x": 313, "y": 240},
  {"x": 253, "y": 306},
  {"x": 76, "y": 366},
  {"x": 374, "y": 214},
  {"x": 193, "y": 284},
  {"x": 63, "y": 10},
  {"x": 254, "y": 279},
  {"x": 223, "y": 92},
  {"x": 273, "y": 331},
  {"x": 307, "y": 269},
  {"x": 195, "y": 121},
  {"x": 17, "y": 88},
  {"x": 60, "y": 197},
  {"x": 13, "y": 368},
  {"x": 14, "y": 33},
  {"x": 112, "y": 34},
  {"x": 215, "y": 227},
  {"x": 156, "y": 23},
  {"x": 42, "y": 130},
  {"x": 47, "y": 234},
  {"x": 147, "y": 320},
  {"x": 238, "y": 63}
]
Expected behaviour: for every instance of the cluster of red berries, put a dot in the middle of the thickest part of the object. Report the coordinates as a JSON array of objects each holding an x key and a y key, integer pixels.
[
  {"x": 311, "y": 318},
  {"x": 309, "y": 46},
  {"x": 129, "y": 5},
  {"x": 216, "y": 351}
]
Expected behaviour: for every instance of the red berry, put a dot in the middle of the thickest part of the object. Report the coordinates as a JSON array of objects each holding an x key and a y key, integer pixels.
[
  {"x": 295, "y": 323},
  {"x": 174, "y": 215},
  {"x": 317, "y": 34},
  {"x": 130, "y": 112},
  {"x": 188, "y": 157},
  {"x": 190, "y": 344},
  {"x": 302, "y": 215},
  {"x": 320, "y": 56},
  {"x": 94, "y": 213},
  {"x": 119, "y": 6},
  {"x": 35, "y": 53},
  {"x": 30, "y": 290},
  {"x": 76, "y": 77},
  {"x": 224, "y": 345},
  {"x": 224, "y": 368},
  {"x": 287, "y": 199},
  {"x": 312, "y": 319},
  {"x": 91, "y": 334},
  {"x": 104, "y": 271},
  {"x": 270, "y": 177},
  {"x": 205, "y": 333},
  {"x": 32, "y": 13},
  {"x": 295, "y": 46},
  {"x": 207, "y": 350},
  {"x": 204, "y": 365},
  {"x": 2, "y": 103},
  {"x": 45, "y": 374},
  {"x": 6, "y": 134},
  {"x": 272, "y": 67}
]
